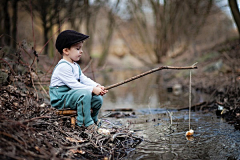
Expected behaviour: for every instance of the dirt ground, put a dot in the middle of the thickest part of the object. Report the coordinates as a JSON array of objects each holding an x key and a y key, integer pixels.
[{"x": 31, "y": 129}]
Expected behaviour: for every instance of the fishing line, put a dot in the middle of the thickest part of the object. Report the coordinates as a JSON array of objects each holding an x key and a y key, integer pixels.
[
  {"x": 150, "y": 108},
  {"x": 190, "y": 98}
]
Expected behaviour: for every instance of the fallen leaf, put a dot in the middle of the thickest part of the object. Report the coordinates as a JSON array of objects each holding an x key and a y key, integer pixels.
[
  {"x": 74, "y": 140},
  {"x": 77, "y": 151}
]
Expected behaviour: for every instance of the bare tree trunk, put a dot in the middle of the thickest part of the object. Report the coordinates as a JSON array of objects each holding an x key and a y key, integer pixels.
[
  {"x": 91, "y": 12},
  {"x": 235, "y": 13},
  {"x": 7, "y": 24},
  {"x": 88, "y": 15},
  {"x": 108, "y": 39},
  {"x": 45, "y": 35},
  {"x": 160, "y": 27},
  {"x": 1, "y": 22},
  {"x": 14, "y": 23}
]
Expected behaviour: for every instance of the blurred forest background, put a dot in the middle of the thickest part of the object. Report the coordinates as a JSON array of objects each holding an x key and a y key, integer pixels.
[
  {"x": 146, "y": 30},
  {"x": 123, "y": 34}
]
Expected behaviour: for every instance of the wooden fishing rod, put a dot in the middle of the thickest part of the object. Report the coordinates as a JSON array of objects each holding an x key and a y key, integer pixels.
[{"x": 149, "y": 72}]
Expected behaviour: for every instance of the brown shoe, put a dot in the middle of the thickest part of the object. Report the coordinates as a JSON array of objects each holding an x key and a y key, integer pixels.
[
  {"x": 93, "y": 127},
  {"x": 99, "y": 122}
]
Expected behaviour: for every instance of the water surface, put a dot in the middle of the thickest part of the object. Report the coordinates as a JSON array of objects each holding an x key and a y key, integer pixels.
[
  {"x": 213, "y": 137},
  {"x": 151, "y": 101}
]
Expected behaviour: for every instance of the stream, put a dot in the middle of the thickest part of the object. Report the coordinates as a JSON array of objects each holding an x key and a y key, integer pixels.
[
  {"x": 213, "y": 138},
  {"x": 151, "y": 102}
]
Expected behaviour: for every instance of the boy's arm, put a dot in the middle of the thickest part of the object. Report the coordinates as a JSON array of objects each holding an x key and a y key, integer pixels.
[{"x": 87, "y": 81}]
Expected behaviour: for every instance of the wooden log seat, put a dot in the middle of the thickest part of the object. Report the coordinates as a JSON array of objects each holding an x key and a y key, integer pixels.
[{"x": 69, "y": 112}]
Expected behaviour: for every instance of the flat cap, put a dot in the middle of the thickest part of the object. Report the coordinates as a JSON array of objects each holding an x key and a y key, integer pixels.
[{"x": 67, "y": 38}]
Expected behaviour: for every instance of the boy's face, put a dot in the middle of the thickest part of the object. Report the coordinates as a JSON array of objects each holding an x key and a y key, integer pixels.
[{"x": 74, "y": 53}]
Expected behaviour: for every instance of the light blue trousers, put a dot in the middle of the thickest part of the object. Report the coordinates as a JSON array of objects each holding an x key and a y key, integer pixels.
[{"x": 82, "y": 100}]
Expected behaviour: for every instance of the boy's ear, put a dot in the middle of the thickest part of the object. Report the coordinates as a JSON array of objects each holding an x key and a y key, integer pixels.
[{"x": 65, "y": 51}]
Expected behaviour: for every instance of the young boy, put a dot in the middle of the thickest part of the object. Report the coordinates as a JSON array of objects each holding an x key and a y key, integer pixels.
[{"x": 69, "y": 87}]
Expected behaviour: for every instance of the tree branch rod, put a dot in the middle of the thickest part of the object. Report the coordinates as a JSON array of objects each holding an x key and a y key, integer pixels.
[{"x": 149, "y": 72}]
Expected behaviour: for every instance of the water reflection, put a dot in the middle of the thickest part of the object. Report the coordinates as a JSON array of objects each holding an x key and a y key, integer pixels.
[{"x": 153, "y": 90}]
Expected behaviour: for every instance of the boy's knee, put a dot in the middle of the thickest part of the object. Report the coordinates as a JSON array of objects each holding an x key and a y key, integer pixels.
[
  {"x": 99, "y": 99},
  {"x": 97, "y": 102},
  {"x": 83, "y": 94}
]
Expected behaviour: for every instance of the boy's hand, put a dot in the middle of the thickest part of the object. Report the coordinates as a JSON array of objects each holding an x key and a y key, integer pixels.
[
  {"x": 103, "y": 90},
  {"x": 97, "y": 90}
]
